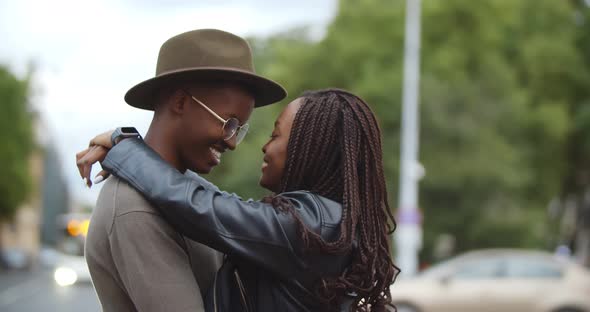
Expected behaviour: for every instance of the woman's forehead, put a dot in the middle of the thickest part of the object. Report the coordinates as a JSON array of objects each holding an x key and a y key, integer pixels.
[{"x": 287, "y": 116}]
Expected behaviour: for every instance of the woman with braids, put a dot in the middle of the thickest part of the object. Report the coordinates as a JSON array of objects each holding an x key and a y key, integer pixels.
[{"x": 319, "y": 243}]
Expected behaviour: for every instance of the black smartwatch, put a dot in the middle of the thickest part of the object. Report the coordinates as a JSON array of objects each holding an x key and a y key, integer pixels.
[{"x": 123, "y": 133}]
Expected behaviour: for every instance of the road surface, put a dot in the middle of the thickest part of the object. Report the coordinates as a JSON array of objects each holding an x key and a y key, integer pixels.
[{"x": 37, "y": 291}]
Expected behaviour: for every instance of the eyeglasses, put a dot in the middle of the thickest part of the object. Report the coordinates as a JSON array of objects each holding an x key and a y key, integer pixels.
[{"x": 230, "y": 126}]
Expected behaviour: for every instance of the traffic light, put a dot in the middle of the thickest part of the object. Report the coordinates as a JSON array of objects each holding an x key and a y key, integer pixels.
[{"x": 78, "y": 227}]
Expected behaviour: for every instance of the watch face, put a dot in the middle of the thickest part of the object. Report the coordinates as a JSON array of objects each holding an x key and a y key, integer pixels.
[
  {"x": 122, "y": 133},
  {"x": 128, "y": 130}
]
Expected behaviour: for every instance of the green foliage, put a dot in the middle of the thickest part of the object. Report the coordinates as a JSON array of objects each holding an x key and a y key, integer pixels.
[
  {"x": 15, "y": 143},
  {"x": 504, "y": 94}
]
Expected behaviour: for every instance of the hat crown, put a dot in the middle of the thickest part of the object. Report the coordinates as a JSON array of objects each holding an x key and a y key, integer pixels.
[
  {"x": 204, "y": 48},
  {"x": 205, "y": 55}
]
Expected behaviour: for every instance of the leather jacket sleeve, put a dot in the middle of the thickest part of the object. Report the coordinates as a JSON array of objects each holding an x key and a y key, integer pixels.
[{"x": 252, "y": 230}]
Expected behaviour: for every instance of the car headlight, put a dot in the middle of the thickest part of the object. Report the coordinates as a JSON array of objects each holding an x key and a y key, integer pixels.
[{"x": 65, "y": 276}]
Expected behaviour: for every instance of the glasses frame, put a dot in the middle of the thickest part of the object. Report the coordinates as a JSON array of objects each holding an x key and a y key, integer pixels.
[{"x": 245, "y": 126}]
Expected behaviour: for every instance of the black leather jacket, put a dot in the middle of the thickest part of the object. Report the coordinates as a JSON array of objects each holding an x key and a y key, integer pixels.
[{"x": 265, "y": 268}]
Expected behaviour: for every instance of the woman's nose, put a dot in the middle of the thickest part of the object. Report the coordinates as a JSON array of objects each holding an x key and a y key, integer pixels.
[{"x": 264, "y": 148}]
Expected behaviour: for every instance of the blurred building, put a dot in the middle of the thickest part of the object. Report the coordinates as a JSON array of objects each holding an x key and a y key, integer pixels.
[
  {"x": 55, "y": 197},
  {"x": 34, "y": 224},
  {"x": 20, "y": 237}
]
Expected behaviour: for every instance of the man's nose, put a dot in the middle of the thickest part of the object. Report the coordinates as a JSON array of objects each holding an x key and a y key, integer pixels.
[{"x": 231, "y": 143}]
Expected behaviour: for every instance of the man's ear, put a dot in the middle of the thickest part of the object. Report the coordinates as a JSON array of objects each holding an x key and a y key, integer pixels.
[{"x": 178, "y": 102}]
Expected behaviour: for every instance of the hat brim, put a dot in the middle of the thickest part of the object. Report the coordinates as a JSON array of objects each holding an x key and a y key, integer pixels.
[{"x": 265, "y": 91}]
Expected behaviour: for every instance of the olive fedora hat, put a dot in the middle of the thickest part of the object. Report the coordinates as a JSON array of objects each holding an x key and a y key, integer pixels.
[{"x": 205, "y": 55}]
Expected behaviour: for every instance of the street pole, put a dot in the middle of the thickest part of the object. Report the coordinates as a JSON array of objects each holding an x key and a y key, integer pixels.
[{"x": 408, "y": 236}]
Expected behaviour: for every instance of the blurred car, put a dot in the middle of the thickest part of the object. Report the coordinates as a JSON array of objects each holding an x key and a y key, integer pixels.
[
  {"x": 71, "y": 269},
  {"x": 68, "y": 259},
  {"x": 16, "y": 259},
  {"x": 497, "y": 280}
]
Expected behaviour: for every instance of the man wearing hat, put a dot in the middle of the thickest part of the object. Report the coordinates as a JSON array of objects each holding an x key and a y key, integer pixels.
[{"x": 202, "y": 96}]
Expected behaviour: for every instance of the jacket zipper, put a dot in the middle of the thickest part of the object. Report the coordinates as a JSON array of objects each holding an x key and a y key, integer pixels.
[
  {"x": 215, "y": 293},
  {"x": 242, "y": 290}
]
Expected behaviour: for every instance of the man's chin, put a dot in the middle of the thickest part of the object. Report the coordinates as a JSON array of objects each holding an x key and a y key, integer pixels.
[{"x": 202, "y": 169}]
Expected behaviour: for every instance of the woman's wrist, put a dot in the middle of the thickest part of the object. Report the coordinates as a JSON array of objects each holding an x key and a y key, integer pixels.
[{"x": 123, "y": 133}]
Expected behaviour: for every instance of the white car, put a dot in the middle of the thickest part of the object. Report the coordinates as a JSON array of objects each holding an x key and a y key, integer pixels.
[
  {"x": 71, "y": 269},
  {"x": 497, "y": 280}
]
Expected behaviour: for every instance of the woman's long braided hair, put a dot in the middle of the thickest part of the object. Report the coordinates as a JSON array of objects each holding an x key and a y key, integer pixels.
[{"x": 334, "y": 150}]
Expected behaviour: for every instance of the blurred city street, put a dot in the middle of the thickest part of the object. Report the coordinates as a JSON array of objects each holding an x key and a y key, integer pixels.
[
  {"x": 37, "y": 291},
  {"x": 483, "y": 110}
]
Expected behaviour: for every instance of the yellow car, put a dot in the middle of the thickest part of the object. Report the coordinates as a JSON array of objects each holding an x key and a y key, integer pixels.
[{"x": 504, "y": 280}]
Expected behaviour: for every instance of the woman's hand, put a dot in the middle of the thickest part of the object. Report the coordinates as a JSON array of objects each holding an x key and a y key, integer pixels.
[{"x": 97, "y": 150}]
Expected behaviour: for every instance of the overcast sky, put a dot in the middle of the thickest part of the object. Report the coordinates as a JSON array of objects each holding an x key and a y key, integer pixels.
[{"x": 89, "y": 53}]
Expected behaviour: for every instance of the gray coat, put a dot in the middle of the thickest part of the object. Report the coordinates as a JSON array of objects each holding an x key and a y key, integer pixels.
[{"x": 138, "y": 262}]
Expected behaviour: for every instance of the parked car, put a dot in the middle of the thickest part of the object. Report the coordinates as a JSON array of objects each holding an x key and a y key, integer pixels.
[
  {"x": 71, "y": 269},
  {"x": 69, "y": 262},
  {"x": 497, "y": 280},
  {"x": 16, "y": 259}
]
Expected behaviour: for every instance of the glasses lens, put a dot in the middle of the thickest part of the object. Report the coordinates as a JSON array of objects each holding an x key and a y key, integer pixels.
[
  {"x": 242, "y": 133},
  {"x": 230, "y": 128}
]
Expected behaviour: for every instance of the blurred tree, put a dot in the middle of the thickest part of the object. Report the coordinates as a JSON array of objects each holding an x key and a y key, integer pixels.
[
  {"x": 502, "y": 115},
  {"x": 494, "y": 124},
  {"x": 576, "y": 185},
  {"x": 16, "y": 143}
]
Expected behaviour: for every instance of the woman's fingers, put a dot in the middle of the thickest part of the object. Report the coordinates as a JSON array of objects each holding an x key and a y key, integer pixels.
[
  {"x": 95, "y": 154},
  {"x": 79, "y": 156},
  {"x": 96, "y": 151},
  {"x": 101, "y": 176},
  {"x": 103, "y": 139},
  {"x": 85, "y": 166}
]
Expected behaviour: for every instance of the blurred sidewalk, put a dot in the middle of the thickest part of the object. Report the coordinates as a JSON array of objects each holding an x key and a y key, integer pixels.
[{"x": 36, "y": 291}]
